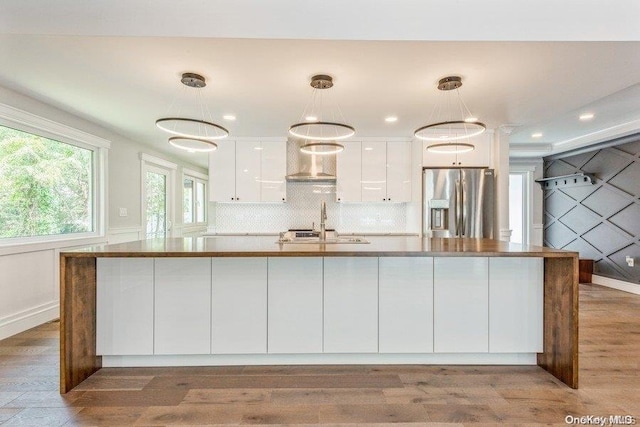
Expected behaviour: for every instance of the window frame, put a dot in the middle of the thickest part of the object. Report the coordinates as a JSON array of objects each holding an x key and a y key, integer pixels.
[
  {"x": 39, "y": 126},
  {"x": 196, "y": 177}
]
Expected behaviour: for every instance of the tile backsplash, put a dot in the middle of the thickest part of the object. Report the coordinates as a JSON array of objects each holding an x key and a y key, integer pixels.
[{"x": 302, "y": 209}]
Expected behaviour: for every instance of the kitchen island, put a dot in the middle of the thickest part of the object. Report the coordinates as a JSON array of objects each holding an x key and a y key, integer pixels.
[{"x": 251, "y": 300}]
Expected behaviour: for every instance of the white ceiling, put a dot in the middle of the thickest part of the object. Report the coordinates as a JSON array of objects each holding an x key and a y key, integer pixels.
[{"x": 125, "y": 76}]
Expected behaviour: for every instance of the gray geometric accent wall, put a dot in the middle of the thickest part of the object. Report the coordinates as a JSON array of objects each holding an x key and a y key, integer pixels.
[{"x": 601, "y": 221}]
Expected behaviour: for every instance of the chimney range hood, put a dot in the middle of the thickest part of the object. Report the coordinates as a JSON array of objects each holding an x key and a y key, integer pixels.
[{"x": 303, "y": 167}]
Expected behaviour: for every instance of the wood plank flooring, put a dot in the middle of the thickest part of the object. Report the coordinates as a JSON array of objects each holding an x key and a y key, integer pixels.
[{"x": 333, "y": 395}]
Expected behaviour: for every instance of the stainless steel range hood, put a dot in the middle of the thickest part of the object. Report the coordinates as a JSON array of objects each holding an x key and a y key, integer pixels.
[{"x": 303, "y": 167}]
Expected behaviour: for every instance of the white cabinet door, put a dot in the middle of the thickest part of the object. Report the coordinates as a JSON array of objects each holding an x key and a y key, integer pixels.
[
  {"x": 461, "y": 305},
  {"x": 295, "y": 305},
  {"x": 273, "y": 186},
  {"x": 374, "y": 171},
  {"x": 182, "y": 306},
  {"x": 349, "y": 173},
  {"x": 124, "y": 317},
  {"x": 222, "y": 172},
  {"x": 481, "y": 156},
  {"x": 239, "y": 303},
  {"x": 406, "y": 304},
  {"x": 398, "y": 171},
  {"x": 516, "y": 295},
  {"x": 351, "y": 305},
  {"x": 248, "y": 172}
]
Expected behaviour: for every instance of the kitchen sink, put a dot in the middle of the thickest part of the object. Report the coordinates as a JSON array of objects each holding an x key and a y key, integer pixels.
[
  {"x": 317, "y": 240},
  {"x": 313, "y": 237}
]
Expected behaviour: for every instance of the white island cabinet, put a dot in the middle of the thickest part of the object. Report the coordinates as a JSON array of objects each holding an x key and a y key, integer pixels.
[
  {"x": 406, "y": 304},
  {"x": 314, "y": 309},
  {"x": 295, "y": 305},
  {"x": 239, "y": 305},
  {"x": 516, "y": 305},
  {"x": 182, "y": 306},
  {"x": 124, "y": 318},
  {"x": 461, "y": 305},
  {"x": 350, "y": 305}
]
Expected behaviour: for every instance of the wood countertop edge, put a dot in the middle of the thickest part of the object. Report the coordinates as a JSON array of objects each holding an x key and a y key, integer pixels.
[{"x": 169, "y": 254}]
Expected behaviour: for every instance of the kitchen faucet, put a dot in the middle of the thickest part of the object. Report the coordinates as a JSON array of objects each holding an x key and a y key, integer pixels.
[{"x": 323, "y": 218}]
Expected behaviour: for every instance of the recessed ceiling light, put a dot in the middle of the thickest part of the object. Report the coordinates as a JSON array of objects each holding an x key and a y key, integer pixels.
[
  {"x": 368, "y": 148},
  {"x": 586, "y": 116},
  {"x": 391, "y": 119},
  {"x": 471, "y": 119},
  {"x": 536, "y": 135},
  {"x": 311, "y": 118},
  {"x": 229, "y": 117}
]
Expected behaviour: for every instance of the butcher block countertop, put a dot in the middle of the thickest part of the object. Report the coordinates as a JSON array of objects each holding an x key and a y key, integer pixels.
[{"x": 259, "y": 246}]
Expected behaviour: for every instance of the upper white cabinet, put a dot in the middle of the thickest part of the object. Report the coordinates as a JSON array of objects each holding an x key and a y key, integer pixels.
[
  {"x": 398, "y": 169},
  {"x": 248, "y": 171},
  {"x": 273, "y": 168},
  {"x": 248, "y": 164},
  {"x": 348, "y": 171},
  {"x": 479, "y": 157},
  {"x": 222, "y": 172},
  {"x": 374, "y": 171},
  {"x": 373, "y": 178}
]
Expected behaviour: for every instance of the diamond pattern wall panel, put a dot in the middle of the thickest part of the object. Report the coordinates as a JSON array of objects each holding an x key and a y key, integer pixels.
[
  {"x": 605, "y": 238},
  {"x": 580, "y": 219},
  {"x": 605, "y": 202},
  {"x": 602, "y": 221},
  {"x": 606, "y": 163},
  {"x": 628, "y": 219},
  {"x": 627, "y": 180}
]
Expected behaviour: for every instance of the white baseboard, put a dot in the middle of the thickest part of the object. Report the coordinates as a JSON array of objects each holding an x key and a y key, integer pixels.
[
  {"x": 621, "y": 285},
  {"x": 322, "y": 359},
  {"x": 27, "y": 319}
]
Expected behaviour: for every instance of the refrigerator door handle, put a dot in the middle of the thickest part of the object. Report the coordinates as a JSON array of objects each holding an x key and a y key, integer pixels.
[
  {"x": 463, "y": 190},
  {"x": 458, "y": 206}
]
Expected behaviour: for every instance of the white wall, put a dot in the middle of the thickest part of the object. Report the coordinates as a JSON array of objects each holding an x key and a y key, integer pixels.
[{"x": 29, "y": 274}]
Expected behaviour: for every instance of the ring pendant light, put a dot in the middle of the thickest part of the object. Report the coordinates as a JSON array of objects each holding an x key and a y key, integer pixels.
[
  {"x": 321, "y": 124},
  {"x": 450, "y": 123},
  {"x": 193, "y": 135}
]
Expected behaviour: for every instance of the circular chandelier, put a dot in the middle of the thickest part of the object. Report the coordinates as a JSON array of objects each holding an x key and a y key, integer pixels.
[
  {"x": 451, "y": 148},
  {"x": 193, "y": 145},
  {"x": 321, "y": 123},
  {"x": 450, "y": 122},
  {"x": 322, "y": 148},
  {"x": 193, "y": 135}
]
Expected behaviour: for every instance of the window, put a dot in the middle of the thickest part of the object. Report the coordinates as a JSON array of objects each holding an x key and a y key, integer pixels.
[
  {"x": 48, "y": 188},
  {"x": 194, "y": 199}
]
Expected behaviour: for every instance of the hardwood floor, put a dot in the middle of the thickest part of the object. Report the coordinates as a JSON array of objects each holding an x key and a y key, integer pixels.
[{"x": 336, "y": 395}]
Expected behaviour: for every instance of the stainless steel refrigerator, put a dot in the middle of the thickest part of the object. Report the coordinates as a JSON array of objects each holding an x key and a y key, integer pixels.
[{"x": 457, "y": 202}]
